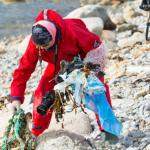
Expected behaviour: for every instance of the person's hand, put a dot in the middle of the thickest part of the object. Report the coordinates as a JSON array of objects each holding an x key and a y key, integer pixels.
[{"x": 15, "y": 105}]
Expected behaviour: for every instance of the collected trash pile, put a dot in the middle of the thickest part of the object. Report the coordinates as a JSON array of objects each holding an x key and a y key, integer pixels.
[{"x": 78, "y": 86}]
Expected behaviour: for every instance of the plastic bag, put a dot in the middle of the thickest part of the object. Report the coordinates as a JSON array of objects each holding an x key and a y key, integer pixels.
[{"x": 95, "y": 100}]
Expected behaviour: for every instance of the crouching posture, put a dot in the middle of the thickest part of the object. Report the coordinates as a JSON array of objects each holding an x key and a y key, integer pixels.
[{"x": 54, "y": 39}]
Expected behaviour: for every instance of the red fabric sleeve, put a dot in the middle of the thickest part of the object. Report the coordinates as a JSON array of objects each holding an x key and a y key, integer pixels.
[
  {"x": 86, "y": 40},
  {"x": 21, "y": 75}
]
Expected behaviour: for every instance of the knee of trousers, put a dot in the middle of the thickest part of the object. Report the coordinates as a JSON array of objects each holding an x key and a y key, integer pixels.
[
  {"x": 108, "y": 94},
  {"x": 40, "y": 123}
]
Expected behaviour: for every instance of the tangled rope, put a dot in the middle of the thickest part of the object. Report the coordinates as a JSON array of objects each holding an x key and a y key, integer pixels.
[{"x": 17, "y": 134}]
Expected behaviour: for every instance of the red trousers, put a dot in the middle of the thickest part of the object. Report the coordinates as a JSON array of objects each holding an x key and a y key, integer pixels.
[
  {"x": 109, "y": 101},
  {"x": 40, "y": 123}
]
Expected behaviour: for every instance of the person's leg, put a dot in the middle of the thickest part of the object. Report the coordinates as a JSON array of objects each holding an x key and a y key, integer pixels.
[
  {"x": 40, "y": 123},
  {"x": 109, "y": 101}
]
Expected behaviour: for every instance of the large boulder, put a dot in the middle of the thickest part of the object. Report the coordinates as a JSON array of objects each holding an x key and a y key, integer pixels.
[
  {"x": 109, "y": 35},
  {"x": 94, "y": 24},
  {"x": 63, "y": 140},
  {"x": 93, "y": 11},
  {"x": 78, "y": 123},
  {"x": 117, "y": 18},
  {"x": 109, "y": 38}
]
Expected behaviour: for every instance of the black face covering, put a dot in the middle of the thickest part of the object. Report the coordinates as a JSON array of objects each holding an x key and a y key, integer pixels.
[{"x": 40, "y": 35}]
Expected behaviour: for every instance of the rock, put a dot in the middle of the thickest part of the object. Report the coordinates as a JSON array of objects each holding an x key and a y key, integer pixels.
[
  {"x": 119, "y": 146},
  {"x": 132, "y": 148},
  {"x": 71, "y": 2},
  {"x": 109, "y": 38},
  {"x": 117, "y": 70},
  {"x": 144, "y": 143},
  {"x": 104, "y": 2},
  {"x": 93, "y": 11},
  {"x": 147, "y": 96},
  {"x": 110, "y": 45},
  {"x": 146, "y": 140},
  {"x": 2, "y": 50},
  {"x": 126, "y": 27},
  {"x": 2, "y": 47},
  {"x": 144, "y": 111},
  {"x": 4, "y": 118},
  {"x": 117, "y": 18},
  {"x": 127, "y": 141},
  {"x": 108, "y": 35},
  {"x": 135, "y": 38},
  {"x": 78, "y": 123},
  {"x": 147, "y": 147},
  {"x": 142, "y": 92},
  {"x": 22, "y": 47},
  {"x": 134, "y": 69},
  {"x": 136, "y": 134},
  {"x": 122, "y": 35},
  {"x": 85, "y": 2},
  {"x": 129, "y": 13},
  {"x": 62, "y": 140},
  {"x": 94, "y": 24},
  {"x": 129, "y": 126}
]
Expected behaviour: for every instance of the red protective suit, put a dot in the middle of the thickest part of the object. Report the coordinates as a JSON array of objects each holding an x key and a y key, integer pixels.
[{"x": 76, "y": 39}]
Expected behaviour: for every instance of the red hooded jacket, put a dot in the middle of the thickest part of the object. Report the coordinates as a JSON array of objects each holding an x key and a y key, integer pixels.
[{"x": 76, "y": 39}]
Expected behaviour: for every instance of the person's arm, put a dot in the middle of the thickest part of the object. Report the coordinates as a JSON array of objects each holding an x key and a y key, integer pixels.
[
  {"x": 97, "y": 56},
  {"x": 90, "y": 44},
  {"x": 21, "y": 75},
  {"x": 86, "y": 40}
]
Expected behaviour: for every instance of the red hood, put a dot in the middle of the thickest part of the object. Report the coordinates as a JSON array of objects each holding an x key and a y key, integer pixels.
[{"x": 54, "y": 17}]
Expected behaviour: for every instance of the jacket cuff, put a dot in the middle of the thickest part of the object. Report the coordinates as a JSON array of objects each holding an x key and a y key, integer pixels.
[{"x": 15, "y": 98}]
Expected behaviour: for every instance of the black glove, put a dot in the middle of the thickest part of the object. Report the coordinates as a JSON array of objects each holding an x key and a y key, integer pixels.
[{"x": 47, "y": 101}]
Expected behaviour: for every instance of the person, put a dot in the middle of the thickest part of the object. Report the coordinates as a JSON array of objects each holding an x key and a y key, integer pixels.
[{"x": 53, "y": 39}]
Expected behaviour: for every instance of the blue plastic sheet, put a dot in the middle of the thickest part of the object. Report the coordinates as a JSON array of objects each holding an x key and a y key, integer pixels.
[{"x": 95, "y": 100}]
